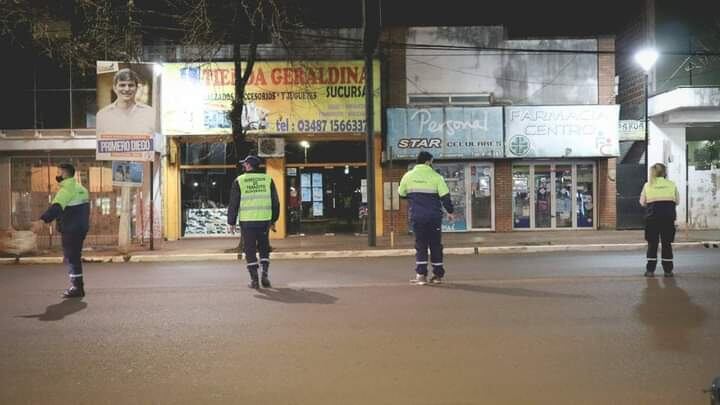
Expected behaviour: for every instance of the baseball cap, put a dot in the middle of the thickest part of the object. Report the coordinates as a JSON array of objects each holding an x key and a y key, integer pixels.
[{"x": 252, "y": 160}]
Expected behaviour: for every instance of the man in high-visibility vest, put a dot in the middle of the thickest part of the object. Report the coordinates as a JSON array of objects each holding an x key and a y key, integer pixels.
[
  {"x": 254, "y": 198},
  {"x": 71, "y": 210},
  {"x": 660, "y": 197},
  {"x": 427, "y": 193}
]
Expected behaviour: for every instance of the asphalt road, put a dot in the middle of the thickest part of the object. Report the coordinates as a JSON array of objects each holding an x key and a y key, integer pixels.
[{"x": 550, "y": 328}]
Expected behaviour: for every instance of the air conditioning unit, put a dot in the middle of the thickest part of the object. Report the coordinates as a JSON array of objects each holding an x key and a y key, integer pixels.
[{"x": 271, "y": 147}]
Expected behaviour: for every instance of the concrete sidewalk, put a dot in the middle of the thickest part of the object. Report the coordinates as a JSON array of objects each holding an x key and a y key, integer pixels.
[{"x": 298, "y": 247}]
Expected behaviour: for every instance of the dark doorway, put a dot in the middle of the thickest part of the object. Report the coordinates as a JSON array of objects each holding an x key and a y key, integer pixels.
[{"x": 630, "y": 181}]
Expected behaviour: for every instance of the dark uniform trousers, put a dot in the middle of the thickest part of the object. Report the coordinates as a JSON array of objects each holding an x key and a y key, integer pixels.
[
  {"x": 256, "y": 240},
  {"x": 660, "y": 231},
  {"x": 72, "y": 243},
  {"x": 428, "y": 234}
]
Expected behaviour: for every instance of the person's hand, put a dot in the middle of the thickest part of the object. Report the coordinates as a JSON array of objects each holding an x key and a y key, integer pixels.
[
  {"x": 232, "y": 229},
  {"x": 37, "y": 226},
  {"x": 451, "y": 217},
  {"x": 273, "y": 228}
]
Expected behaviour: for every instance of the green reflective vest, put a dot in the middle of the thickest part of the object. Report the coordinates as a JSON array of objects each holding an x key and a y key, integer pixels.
[
  {"x": 255, "y": 197},
  {"x": 71, "y": 194},
  {"x": 422, "y": 179},
  {"x": 661, "y": 189}
]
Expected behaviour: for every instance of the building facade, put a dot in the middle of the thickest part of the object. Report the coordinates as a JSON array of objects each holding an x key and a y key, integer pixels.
[
  {"x": 526, "y": 140},
  {"x": 683, "y": 107}
]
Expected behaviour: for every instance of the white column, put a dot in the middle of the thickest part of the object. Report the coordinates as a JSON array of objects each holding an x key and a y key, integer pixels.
[{"x": 668, "y": 145}]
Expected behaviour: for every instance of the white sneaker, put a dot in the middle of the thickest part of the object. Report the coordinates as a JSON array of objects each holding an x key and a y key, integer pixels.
[
  {"x": 419, "y": 279},
  {"x": 436, "y": 280}
]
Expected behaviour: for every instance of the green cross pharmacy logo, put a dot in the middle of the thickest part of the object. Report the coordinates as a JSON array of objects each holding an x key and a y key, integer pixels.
[{"x": 519, "y": 145}]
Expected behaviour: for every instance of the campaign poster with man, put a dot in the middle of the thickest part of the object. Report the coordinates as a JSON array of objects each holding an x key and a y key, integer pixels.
[{"x": 126, "y": 120}]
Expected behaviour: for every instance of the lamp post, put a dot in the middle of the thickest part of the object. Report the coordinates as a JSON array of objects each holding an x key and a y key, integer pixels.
[
  {"x": 646, "y": 58},
  {"x": 305, "y": 145}
]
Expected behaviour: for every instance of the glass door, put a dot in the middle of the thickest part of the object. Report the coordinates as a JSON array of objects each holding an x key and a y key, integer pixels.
[
  {"x": 543, "y": 196},
  {"x": 481, "y": 196},
  {"x": 521, "y": 197},
  {"x": 563, "y": 196},
  {"x": 555, "y": 192},
  {"x": 585, "y": 195}
]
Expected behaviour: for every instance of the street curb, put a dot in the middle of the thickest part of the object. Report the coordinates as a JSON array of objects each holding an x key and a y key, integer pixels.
[
  {"x": 213, "y": 257},
  {"x": 339, "y": 254}
]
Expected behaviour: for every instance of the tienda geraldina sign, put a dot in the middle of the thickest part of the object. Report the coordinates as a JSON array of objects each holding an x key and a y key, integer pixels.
[{"x": 280, "y": 97}]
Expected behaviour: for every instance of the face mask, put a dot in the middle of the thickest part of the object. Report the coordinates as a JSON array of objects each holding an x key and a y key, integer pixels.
[{"x": 59, "y": 179}]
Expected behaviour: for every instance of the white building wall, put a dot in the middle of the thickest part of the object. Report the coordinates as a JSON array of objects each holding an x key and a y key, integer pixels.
[{"x": 668, "y": 145}]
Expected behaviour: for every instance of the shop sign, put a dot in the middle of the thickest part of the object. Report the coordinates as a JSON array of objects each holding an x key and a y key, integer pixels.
[
  {"x": 446, "y": 132},
  {"x": 280, "y": 97},
  {"x": 561, "y": 131},
  {"x": 632, "y": 130}
]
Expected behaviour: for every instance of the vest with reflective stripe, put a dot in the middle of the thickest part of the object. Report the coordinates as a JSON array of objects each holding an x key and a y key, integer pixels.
[
  {"x": 255, "y": 197},
  {"x": 71, "y": 194},
  {"x": 424, "y": 188},
  {"x": 660, "y": 190}
]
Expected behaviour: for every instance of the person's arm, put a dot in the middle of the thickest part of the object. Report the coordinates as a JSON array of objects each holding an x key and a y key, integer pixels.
[
  {"x": 402, "y": 188},
  {"x": 52, "y": 213},
  {"x": 444, "y": 194},
  {"x": 643, "y": 197},
  {"x": 62, "y": 198},
  {"x": 677, "y": 196},
  {"x": 233, "y": 205},
  {"x": 275, "y": 202}
]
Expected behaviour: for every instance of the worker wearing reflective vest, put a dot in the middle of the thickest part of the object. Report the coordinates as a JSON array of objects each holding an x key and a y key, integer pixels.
[
  {"x": 71, "y": 210},
  {"x": 660, "y": 197},
  {"x": 427, "y": 194},
  {"x": 254, "y": 199}
]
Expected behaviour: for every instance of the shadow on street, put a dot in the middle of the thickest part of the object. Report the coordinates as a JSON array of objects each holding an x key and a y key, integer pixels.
[
  {"x": 510, "y": 291},
  {"x": 59, "y": 311},
  {"x": 290, "y": 296},
  {"x": 669, "y": 314}
]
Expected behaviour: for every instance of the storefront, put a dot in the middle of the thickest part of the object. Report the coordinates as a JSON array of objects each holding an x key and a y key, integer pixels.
[
  {"x": 465, "y": 142},
  {"x": 306, "y": 120},
  {"x": 510, "y": 168}
]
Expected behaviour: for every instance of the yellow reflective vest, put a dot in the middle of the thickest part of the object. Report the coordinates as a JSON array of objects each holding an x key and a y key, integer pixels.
[{"x": 255, "y": 197}]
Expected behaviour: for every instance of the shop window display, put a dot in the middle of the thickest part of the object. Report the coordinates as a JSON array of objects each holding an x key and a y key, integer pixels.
[
  {"x": 454, "y": 175},
  {"x": 585, "y": 190},
  {"x": 206, "y": 194}
]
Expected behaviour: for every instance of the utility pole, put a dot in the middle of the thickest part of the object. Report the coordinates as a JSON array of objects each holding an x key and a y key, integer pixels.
[{"x": 371, "y": 30}]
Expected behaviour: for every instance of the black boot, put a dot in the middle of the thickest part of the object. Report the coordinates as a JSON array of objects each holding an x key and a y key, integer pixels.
[
  {"x": 650, "y": 268},
  {"x": 668, "y": 268},
  {"x": 265, "y": 280},
  {"x": 253, "y": 277},
  {"x": 76, "y": 290}
]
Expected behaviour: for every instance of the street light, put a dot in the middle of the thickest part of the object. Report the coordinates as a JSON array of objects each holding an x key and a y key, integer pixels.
[
  {"x": 646, "y": 58},
  {"x": 306, "y": 146}
]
